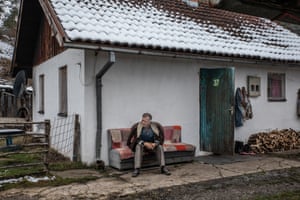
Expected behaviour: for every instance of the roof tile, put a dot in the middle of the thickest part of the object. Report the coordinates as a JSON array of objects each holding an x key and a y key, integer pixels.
[{"x": 171, "y": 24}]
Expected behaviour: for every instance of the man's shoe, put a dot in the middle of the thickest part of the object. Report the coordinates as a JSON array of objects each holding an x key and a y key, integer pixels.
[
  {"x": 135, "y": 173},
  {"x": 165, "y": 171}
]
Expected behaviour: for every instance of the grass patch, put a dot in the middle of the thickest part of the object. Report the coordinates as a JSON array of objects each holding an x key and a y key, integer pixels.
[
  {"x": 57, "y": 162},
  {"x": 66, "y": 165},
  {"x": 19, "y": 172},
  {"x": 20, "y": 159},
  {"x": 293, "y": 195}
]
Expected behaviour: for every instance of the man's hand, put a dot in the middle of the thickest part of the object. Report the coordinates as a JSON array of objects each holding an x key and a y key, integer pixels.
[
  {"x": 156, "y": 142},
  {"x": 149, "y": 145}
]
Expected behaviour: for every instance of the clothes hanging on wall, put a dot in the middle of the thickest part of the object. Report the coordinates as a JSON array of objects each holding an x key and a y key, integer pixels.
[
  {"x": 238, "y": 108},
  {"x": 248, "y": 114},
  {"x": 243, "y": 107}
]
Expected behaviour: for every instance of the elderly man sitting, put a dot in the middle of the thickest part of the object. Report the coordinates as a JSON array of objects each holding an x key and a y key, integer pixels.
[{"x": 147, "y": 136}]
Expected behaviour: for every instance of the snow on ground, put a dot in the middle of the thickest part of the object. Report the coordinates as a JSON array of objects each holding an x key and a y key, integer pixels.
[
  {"x": 26, "y": 178},
  {"x": 6, "y": 50}
]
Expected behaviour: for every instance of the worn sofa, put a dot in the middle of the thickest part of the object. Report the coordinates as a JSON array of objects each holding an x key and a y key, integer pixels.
[{"x": 121, "y": 157}]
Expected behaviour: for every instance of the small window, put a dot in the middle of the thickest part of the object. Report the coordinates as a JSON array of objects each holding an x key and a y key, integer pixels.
[
  {"x": 254, "y": 86},
  {"x": 63, "y": 92},
  {"x": 41, "y": 94},
  {"x": 276, "y": 87}
]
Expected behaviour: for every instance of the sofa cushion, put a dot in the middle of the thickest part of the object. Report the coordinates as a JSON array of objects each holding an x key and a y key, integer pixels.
[
  {"x": 172, "y": 134},
  {"x": 168, "y": 147},
  {"x": 119, "y": 137},
  {"x": 126, "y": 153}
]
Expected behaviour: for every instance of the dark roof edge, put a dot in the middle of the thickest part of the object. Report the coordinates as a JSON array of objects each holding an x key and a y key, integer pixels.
[
  {"x": 177, "y": 54},
  {"x": 53, "y": 21}
]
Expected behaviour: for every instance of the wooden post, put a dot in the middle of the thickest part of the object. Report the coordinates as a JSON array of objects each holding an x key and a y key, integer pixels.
[
  {"x": 76, "y": 144},
  {"x": 47, "y": 135}
]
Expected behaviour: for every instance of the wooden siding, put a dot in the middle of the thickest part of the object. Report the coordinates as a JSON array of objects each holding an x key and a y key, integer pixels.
[{"x": 47, "y": 45}]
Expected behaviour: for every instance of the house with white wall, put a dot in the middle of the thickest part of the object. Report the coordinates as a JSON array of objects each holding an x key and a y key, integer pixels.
[{"x": 109, "y": 61}]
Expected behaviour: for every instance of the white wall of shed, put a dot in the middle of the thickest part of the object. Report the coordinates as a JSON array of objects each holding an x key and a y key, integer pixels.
[
  {"x": 166, "y": 87},
  {"x": 269, "y": 115},
  {"x": 74, "y": 60},
  {"x": 169, "y": 89}
]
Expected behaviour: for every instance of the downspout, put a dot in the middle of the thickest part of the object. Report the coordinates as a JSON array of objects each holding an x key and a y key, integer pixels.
[{"x": 99, "y": 75}]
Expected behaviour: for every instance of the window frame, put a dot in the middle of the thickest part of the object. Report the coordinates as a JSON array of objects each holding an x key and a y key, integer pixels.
[
  {"x": 63, "y": 91},
  {"x": 41, "y": 94},
  {"x": 282, "y": 77}
]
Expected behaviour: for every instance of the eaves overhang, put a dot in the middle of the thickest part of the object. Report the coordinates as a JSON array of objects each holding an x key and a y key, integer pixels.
[{"x": 175, "y": 53}]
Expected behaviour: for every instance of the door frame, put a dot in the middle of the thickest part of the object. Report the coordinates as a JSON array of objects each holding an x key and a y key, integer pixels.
[{"x": 207, "y": 138}]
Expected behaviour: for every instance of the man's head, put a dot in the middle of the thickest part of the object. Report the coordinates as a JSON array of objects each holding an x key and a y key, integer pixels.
[{"x": 146, "y": 119}]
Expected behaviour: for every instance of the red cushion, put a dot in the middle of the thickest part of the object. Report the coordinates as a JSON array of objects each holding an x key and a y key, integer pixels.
[
  {"x": 178, "y": 147},
  {"x": 124, "y": 153}
]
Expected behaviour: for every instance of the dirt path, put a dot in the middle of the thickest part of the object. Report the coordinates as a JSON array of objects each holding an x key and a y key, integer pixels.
[{"x": 233, "y": 188}]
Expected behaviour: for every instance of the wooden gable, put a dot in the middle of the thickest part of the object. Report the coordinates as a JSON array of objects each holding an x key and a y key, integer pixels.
[
  {"x": 47, "y": 45},
  {"x": 35, "y": 41}
]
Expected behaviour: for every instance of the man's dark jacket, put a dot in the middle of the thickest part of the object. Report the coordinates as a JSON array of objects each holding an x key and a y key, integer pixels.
[{"x": 135, "y": 133}]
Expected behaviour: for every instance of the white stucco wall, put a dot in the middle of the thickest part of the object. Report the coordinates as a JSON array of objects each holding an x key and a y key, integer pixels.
[
  {"x": 166, "y": 87},
  {"x": 269, "y": 115},
  {"x": 74, "y": 60},
  {"x": 169, "y": 89}
]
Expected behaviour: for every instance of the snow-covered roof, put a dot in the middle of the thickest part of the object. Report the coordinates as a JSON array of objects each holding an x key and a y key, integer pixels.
[{"x": 172, "y": 25}]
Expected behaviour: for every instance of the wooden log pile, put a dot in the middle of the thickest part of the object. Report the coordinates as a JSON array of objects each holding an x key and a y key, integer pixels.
[{"x": 274, "y": 141}]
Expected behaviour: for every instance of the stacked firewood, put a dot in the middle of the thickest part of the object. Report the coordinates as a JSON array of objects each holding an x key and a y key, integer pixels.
[{"x": 274, "y": 141}]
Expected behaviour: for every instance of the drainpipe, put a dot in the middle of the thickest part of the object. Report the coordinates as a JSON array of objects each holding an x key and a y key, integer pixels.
[{"x": 100, "y": 74}]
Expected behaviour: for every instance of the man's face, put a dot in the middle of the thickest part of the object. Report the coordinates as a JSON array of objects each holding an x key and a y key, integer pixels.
[{"x": 146, "y": 121}]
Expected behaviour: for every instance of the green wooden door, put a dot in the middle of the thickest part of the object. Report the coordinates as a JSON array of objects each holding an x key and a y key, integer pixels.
[{"x": 216, "y": 110}]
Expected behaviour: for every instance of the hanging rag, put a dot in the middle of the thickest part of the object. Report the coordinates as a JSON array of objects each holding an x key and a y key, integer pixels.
[
  {"x": 248, "y": 114},
  {"x": 238, "y": 108}
]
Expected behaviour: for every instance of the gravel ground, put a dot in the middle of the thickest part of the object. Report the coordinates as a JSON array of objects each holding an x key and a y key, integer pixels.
[{"x": 240, "y": 187}]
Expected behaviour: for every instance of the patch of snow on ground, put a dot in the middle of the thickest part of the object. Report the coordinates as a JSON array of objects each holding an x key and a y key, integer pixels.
[
  {"x": 26, "y": 178},
  {"x": 6, "y": 50}
]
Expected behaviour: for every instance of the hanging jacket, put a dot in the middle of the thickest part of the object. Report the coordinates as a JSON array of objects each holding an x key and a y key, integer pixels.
[
  {"x": 247, "y": 114},
  {"x": 238, "y": 108},
  {"x": 135, "y": 133}
]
